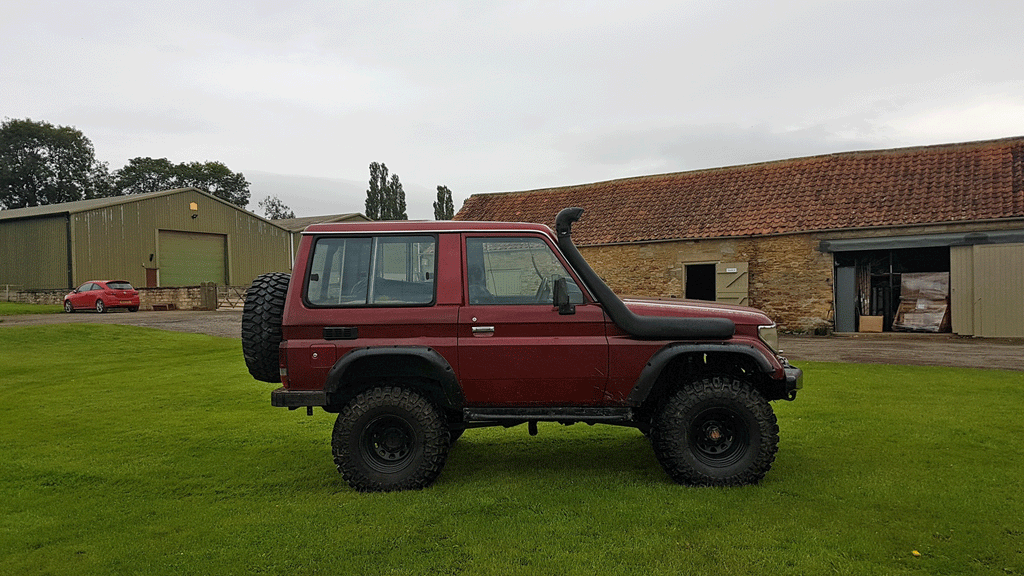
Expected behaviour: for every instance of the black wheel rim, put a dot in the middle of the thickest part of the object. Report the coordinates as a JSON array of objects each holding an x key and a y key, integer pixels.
[
  {"x": 719, "y": 437},
  {"x": 387, "y": 443}
]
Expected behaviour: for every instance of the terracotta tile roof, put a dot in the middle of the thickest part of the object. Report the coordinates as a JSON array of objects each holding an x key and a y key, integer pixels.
[{"x": 905, "y": 186}]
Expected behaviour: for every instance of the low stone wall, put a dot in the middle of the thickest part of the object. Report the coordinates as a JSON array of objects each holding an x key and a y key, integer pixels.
[{"x": 183, "y": 298}]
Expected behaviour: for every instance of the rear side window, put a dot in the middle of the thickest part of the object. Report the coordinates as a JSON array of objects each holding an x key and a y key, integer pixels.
[{"x": 373, "y": 271}]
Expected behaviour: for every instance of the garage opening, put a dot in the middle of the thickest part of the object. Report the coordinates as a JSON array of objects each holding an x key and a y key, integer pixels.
[
  {"x": 191, "y": 258},
  {"x": 900, "y": 289},
  {"x": 700, "y": 282}
]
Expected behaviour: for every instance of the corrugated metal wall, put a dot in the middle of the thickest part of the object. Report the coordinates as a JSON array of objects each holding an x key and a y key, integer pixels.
[
  {"x": 987, "y": 290},
  {"x": 123, "y": 240},
  {"x": 33, "y": 253}
]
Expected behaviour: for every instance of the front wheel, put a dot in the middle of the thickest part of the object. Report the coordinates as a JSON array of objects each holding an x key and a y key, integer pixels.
[
  {"x": 390, "y": 438},
  {"x": 68, "y": 307},
  {"x": 715, "y": 431}
]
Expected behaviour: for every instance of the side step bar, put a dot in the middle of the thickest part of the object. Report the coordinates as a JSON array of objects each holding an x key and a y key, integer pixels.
[{"x": 568, "y": 414}]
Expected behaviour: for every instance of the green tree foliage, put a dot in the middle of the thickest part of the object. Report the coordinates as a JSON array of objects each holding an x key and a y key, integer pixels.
[
  {"x": 153, "y": 174},
  {"x": 143, "y": 175},
  {"x": 45, "y": 164},
  {"x": 444, "y": 209},
  {"x": 385, "y": 198},
  {"x": 274, "y": 209}
]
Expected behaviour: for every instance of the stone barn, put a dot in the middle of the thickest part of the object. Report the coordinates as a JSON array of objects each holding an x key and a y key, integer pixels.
[{"x": 927, "y": 238}]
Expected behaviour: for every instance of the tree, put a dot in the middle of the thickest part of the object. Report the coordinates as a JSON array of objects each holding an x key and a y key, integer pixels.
[
  {"x": 153, "y": 174},
  {"x": 143, "y": 175},
  {"x": 45, "y": 164},
  {"x": 444, "y": 209},
  {"x": 385, "y": 198},
  {"x": 274, "y": 209}
]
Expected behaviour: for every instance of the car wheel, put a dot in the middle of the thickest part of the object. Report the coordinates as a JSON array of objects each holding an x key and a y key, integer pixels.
[
  {"x": 68, "y": 307},
  {"x": 390, "y": 438},
  {"x": 133, "y": 308},
  {"x": 100, "y": 306},
  {"x": 261, "y": 325},
  {"x": 715, "y": 431}
]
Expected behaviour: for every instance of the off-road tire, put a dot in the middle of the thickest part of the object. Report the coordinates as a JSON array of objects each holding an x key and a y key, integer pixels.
[
  {"x": 715, "y": 431},
  {"x": 390, "y": 438},
  {"x": 261, "y": 325}
]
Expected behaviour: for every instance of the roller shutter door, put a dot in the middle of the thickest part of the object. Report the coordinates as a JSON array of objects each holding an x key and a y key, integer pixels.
[{"x": 190, "y": 258}]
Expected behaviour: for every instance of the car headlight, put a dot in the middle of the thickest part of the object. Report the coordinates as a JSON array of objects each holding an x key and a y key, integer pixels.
[{"x": 770, "y": 336}]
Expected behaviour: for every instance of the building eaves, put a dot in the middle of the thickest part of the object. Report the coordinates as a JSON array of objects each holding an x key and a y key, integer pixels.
[{"x": 300, "y": 224}]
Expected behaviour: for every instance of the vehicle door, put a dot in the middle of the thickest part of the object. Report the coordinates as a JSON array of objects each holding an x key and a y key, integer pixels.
[
  {"x": 81, "y": 298},
  {"x": 514, "y": 347}
]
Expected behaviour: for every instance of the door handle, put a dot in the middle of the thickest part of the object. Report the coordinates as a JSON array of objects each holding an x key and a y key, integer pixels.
[{"x": 483, "y": 329}]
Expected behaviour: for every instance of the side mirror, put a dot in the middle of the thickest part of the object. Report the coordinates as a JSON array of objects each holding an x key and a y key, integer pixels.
[{"x": 562, "y": 298}]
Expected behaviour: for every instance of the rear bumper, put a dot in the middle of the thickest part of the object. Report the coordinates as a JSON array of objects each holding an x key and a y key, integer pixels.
[{"x": 285, "y": 398}]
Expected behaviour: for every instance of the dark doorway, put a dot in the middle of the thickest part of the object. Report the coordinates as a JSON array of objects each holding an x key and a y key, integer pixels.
[{"x": 700, "y": 282}]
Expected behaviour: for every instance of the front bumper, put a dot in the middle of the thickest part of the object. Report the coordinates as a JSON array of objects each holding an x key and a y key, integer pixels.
[{"x": 794, "y": 381}]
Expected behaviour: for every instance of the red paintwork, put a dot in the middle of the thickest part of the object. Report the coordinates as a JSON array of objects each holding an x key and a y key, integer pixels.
[
  {"x": 112, "y": 297},
  {"x": 534, "y": 356}
]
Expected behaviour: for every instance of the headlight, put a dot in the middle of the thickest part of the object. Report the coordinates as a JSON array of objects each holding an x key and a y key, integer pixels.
[{"x": 770, "y": 336}]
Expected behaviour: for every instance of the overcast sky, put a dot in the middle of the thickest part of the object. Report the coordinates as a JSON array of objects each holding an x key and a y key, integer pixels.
[{"x": 482, "y": 96}]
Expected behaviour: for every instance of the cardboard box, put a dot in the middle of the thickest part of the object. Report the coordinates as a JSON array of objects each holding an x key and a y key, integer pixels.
[{"x": 871, "y": 323}]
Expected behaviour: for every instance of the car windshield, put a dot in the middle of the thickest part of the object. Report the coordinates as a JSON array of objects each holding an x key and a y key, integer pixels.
[{"x": 119, "y": 285}]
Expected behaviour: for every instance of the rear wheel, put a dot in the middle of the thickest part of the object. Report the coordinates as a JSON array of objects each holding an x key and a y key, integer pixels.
[
  {"x": 390, "y": 438},
  {"x": 715, "y": 431},
  {"x": 100, "y": 306},
  {"x": 261, "y": 325},
  {"x": 68, "y": 307}
]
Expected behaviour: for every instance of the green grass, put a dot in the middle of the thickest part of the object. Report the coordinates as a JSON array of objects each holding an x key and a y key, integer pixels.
[
  {"x": 134, "y": 451},
  {"x": 14, "y": 308}
]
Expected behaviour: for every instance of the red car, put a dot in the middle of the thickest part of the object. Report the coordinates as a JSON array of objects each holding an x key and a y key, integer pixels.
[{"x": 101, "y": 295}]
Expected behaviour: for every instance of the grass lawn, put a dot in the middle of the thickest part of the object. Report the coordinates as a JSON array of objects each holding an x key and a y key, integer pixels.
[
  {"x": 14, "y": 308},
  {"x": 134, "y": 451}
]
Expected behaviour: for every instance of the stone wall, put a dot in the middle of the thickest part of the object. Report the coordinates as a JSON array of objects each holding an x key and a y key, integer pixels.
[
  {"x": 790, "y": 279},
  {"x": 183, "y": 298}
]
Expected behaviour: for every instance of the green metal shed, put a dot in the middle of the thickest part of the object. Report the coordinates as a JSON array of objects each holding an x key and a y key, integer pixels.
[{"x": 180, "y": 237}]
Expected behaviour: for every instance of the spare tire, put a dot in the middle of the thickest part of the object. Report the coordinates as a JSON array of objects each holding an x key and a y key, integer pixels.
[{"x": 261, "y": 325}]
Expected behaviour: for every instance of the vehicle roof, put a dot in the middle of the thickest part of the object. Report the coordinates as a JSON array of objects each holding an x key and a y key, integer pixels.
[{"x": 392, "y": 226}]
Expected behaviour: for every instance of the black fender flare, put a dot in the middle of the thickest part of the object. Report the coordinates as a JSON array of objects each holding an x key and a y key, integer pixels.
[
  {"x": 430, "y": 364},
  {"x": 661, "y": 359}
]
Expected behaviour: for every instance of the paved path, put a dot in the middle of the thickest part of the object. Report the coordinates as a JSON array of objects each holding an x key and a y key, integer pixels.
[
  {"x": 907, "y": 348},
  {"x": 895, "y": 348}
]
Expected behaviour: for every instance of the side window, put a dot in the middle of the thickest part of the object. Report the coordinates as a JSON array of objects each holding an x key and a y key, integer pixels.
[
  {"x": 383, "y": 271},
  {"x": 515, "y": 271}
]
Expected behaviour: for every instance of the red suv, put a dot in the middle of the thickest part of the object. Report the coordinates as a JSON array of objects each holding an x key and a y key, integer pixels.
[{"x": 413, "y": 332}]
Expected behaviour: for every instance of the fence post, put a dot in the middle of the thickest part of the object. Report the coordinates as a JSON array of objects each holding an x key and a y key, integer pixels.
[{"x": 208, "y": 295}]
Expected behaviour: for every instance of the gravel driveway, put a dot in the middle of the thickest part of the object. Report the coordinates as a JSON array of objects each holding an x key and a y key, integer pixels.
[{"x": 895, "y": 348}]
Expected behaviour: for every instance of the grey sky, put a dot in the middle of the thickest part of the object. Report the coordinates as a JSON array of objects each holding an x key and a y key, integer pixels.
[{"x": 495, "y": 96}]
